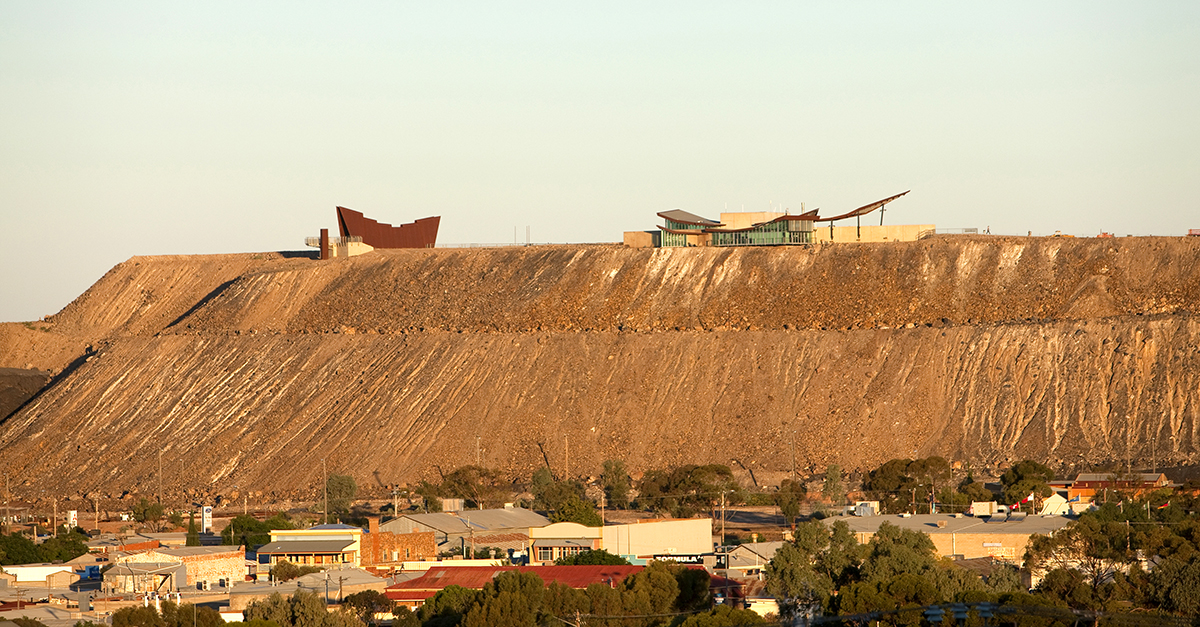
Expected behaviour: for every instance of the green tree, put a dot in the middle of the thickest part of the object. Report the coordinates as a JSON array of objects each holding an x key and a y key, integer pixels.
[
  {"x": 615, "y": 480},
  {"x": 539, "y": 484},
  {"x": 137, "y": 616},
  {"x": 193, "y": 532},
  {"x": 341, "y": 490},
  {"x": 176, "y": 519},
  {"x": 1097, "y": 548},
  {"x": 65, "y": 547},
  {"x": 723, "y": 616},
  {"x": 404, "y": 617},
  {"x": 596, "y": 557},
  {"x": 18, "y": 549},
  {"x": 431, "y": 496},
  {"x": 788, "y": 499},
  {"x": 1025, "y": 478},
  {"x": 287, "y": 571},
  {"x": 905, "y": 484},
  {"x": 652, "y": 591},
  {"x": 577, "y": 511},
  {"x": 302, "y": 609},
  {"x": 187, "y": 615},
  {"x": 686, "y": 490},
  {"x": 795, "y": 575},
  {"x": 366, "y": 604},
  {"x": 250, "y": 532},
  {"x": 447, "y": 606},
  {"x": 478, "y": 486},
  {"x": 148, "y": 512},
  {"x": 512, "y": 599},
  {"x": 832, "y": 488}
]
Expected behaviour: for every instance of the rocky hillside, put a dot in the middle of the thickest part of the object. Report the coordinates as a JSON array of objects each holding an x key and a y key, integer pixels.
[{"x": 247, "y": 370}]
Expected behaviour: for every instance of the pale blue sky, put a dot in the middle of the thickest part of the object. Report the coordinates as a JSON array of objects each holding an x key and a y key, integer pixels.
[{"x": 160, "y": 128}]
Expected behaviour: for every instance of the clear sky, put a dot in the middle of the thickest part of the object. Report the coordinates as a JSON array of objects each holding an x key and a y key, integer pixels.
[{"x": 166, "y": 128}]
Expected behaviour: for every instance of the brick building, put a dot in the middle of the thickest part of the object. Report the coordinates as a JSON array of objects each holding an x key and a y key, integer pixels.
[
  {"x": 214, "y": 565},
  {"x": 380, "y": 547},
  {"x": 1087, "y": 486}
]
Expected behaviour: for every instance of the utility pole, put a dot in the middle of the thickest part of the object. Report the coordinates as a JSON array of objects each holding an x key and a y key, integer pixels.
[
  {"x": 160, "y": 477},
  {"x": 566, "y": 457},
  {"x": 96, "y": 502},
  {"x": 325, "y": 509},
  {"x": 476, "y": 450},
  {"x": 54, "y": 521},
  {"x": 793, "y": 455},
  {"x": 914, "y": 501},
  {"x": 722, "y": 518}
]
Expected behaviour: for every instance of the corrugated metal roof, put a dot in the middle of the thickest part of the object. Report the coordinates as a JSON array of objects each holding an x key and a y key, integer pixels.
[
  {"x": 476, "y": 577},
  {"x": 334, "y": 526},
  {"x": 306, "y": 546},
  {"x": 928, "y": 523},
  {"x": 1148, "y": 477},
  {"x": 187, "y": 551},
  {"x": 482, "y": 520}
]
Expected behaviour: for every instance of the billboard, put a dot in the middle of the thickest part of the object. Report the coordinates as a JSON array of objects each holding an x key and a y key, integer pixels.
[
  {"x": 206, "y": 519},
  {"x": 72, "y": 519}
]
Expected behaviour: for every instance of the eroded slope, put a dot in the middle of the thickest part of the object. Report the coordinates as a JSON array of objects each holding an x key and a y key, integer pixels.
[{"x": 248, "y": 372}]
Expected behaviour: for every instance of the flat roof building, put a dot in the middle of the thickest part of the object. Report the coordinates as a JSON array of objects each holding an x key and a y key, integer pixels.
[{"x": 965, "y": 537}]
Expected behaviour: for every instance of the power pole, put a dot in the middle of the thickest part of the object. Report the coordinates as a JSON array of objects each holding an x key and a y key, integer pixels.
[
  {"x": 325, "y": 509},
  {"x": 160, "y": 478},
  {"x": 476, "y": 450},
  {"x": 793, "y": 455},
  {"x": 566, "y": 457},
  {"x": 722, "y": 518}
]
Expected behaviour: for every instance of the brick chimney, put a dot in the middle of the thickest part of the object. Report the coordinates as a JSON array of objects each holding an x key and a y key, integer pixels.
[{"x": 373, "y": 524}]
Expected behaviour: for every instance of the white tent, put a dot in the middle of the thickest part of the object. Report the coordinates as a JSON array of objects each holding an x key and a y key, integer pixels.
[{"x": 1055, "y": 505}]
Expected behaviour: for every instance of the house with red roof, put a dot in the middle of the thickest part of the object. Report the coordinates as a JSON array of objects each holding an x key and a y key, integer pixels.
[{"x": 414, "y": 592}]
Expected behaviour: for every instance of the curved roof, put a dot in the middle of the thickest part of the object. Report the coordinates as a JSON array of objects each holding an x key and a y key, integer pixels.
[
  {"x": 679, "y": 215},
  {"x": 863, "y": 210}
]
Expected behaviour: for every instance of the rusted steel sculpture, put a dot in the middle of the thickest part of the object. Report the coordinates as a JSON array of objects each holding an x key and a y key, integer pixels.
[{"x": 419, "y": 234}]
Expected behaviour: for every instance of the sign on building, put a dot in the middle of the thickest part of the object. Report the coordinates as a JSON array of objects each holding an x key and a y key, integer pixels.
[{"x": 206, "y": 519}]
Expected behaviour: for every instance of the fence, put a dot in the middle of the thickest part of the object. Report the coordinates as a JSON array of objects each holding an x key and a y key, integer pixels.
[{"x": 315, "y": 242}]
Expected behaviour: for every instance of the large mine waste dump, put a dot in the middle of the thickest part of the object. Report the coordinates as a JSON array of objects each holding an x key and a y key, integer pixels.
[{"x": 249, "y": 370}]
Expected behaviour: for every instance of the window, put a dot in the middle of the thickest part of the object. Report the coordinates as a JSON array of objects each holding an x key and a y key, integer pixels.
[{"x": 545, "y": 554}]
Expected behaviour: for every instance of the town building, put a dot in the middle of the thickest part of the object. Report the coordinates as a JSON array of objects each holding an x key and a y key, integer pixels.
[
  {"x": 502, "y": 528},
  {"x": 1088, "y": 486},
  {"x": 770, "y": 228},
  {"x": 637, "y": 542},
  {"x": 334, "y": 544},
  {"x": 414, "y": 592},
  {"x": 384, "y": 547},
  {"x": 749, "y": 560},
  {"x": 206, "y": 565},
  {"x": 143, "y": 577},
  {"x": 963, "y": 537},
  {"x": 45, "y": 575}
]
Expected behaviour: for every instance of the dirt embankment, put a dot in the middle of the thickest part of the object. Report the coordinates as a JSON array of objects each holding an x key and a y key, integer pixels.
[
  {"x": 248, "y": 372},
  {"x": 938, "y": 281}
]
